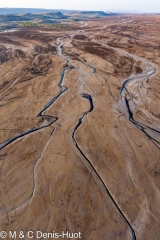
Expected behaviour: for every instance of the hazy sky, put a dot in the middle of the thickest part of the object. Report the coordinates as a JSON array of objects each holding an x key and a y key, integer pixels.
[{"x": 138, "y": 5}]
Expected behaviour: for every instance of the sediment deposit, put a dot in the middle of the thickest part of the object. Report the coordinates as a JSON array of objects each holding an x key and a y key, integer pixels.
[{"x": 80, "y": 129}]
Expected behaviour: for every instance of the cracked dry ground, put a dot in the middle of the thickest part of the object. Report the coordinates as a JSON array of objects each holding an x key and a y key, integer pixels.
[{"x": 79, "y": 129}]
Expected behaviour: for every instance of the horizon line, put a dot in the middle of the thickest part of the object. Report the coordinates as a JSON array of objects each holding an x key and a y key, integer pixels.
[{"x": 109, "y": 10}]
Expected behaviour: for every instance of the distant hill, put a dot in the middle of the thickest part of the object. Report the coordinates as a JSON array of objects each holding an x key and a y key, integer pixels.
[
  {"x": 30, "y": 10},
  {"x": 100, "y": 13},
  {"x": 82, "y": 15},
  {"x": 32, "y": 16}
]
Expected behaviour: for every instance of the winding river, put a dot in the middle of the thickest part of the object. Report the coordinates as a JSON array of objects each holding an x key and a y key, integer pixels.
[{"x": 51, "y": 119}]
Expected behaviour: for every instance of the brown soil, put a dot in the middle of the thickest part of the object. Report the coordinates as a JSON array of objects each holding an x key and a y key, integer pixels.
[{"x": 82, "y": 154}]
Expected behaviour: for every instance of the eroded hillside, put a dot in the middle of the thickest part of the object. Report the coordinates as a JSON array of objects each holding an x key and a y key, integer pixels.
[{"x": 80, "y": 129}]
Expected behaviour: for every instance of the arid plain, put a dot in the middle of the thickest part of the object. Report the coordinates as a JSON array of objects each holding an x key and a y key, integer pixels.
[{"x": 80, "y": 128}]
